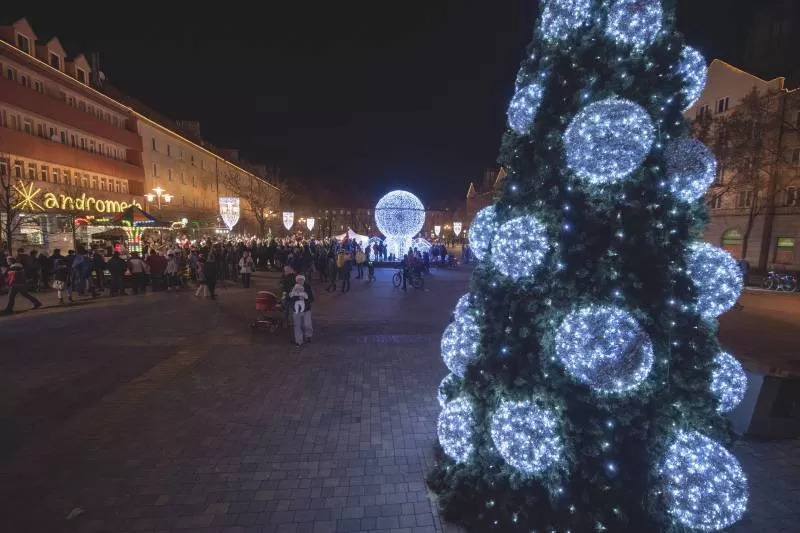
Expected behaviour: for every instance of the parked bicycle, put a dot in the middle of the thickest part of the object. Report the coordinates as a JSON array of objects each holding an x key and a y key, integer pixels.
[
  {"x": 416, "y": 279},
  {"x": 780, "y": 281}
]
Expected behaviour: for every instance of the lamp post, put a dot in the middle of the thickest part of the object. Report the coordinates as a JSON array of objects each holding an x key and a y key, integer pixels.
[{"x": 159, "y": 194}]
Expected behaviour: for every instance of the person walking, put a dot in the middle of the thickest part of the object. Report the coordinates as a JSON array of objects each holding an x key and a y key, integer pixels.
[
  {"x": 45, "y": 270},
  {"x": 172, "y": 270},
  {"x": 333, "y": 271},
  {"x": 346, "y": 271},
  {"x": 61, "y": 275},
  {"x": 116, "y": 267},
  {"x": 300, "y": 299},
  {"x": 210, "y": 272},
  {"x": 18, "y": 283},
  {"x": 202, "y": 288},
  {"x": 246, "y": 267},
  {"x": 360, "y": 260},
  {"x": 138, "y": 270}
]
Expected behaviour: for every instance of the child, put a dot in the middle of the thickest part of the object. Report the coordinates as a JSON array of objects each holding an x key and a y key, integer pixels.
[
  {"x": 300, "y": 299},
  {"x": 298, "y": 295}
]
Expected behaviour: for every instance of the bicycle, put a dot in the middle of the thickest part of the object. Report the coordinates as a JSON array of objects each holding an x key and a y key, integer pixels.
[
  {"x": 417, "y": 281},
  {"x": 780, "y": 282}
]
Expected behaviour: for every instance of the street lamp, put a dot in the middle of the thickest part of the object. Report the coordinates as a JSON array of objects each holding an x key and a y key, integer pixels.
[{"x": 159, "y": 194}]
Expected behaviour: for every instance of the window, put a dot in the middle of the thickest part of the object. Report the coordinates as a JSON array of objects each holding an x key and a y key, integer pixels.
[
  {"x": 27, "y": 126},
  {"x": 123, "y": 187},
  {"x": 169, "y": 151},
  {"x": 107, "y": 118},
  {"x": 72, "y": 139},
  {"x": 53, "y": 135},
  {"x": 18, "y": 169},
  {"x": 180, "y": 153},
  {"x": 37, "y": 86},
  {"x": 24, "y": 81},
  {"x": 10, "y": 74},
  {"x": 56, "y": 176},
  {"x": 116, "y": 185},
  {"x": 183, "y": 200},
  {"x": 153, "y": 143},
  {"x": 63, "y": 137},
  {"x": 791, "y": 196},
  {"x": 84, "y": 181},
  {"x": 102, "y": 184},
  {"x": 169, "y": 174},
  {"x": 732, "y": 242},
  {"x": 784, "y": 250},
  {"x": 82, "y": 105},
  {"x": 40, "y": 130},
  {"x": 183, "y": 179},
  {"x": 81, "y": 75},
  {"x": 91, "y": 146},
  {"x": 722, "y": 104},
  {"x": 194, "y": 181},
  {"x": 44, "y": 172},
  {"x": 67, "y": 177},
  {"x": 31, "y": 171},
  {"x": 796, "y": 156},
  {"x": 745, "y": 199},
  {"x": 155, "y": 170},
  {"x": 83, "y": 143},
  {"x": 23, "y": 43},
  {"x": 203, "y": 164},
  {"x": 192, "y": 160},
  {"x": 55, "y": 61},
  {"x": 194, "y": 202},
  {"x": 3, "y": 168},
  {"x": 94, "y": 182},
  {"x": 71, "y": 101}
]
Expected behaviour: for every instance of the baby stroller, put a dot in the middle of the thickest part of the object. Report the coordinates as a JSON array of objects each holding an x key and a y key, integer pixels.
[{"x": 269, "y": 312}]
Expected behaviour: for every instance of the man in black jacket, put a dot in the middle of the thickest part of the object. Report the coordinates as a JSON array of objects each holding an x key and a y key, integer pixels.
[
  {"x": 116, "y": 267},
  {"x": 19, "y": 285}
]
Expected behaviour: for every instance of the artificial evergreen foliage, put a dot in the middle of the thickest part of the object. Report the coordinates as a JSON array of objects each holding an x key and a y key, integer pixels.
[{"x": 585, "y": 403}]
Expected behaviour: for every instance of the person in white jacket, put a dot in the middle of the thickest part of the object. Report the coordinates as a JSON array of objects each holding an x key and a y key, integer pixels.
[
  {"x": 172, "y": 271},
  {"x": 246, "y": 266}
]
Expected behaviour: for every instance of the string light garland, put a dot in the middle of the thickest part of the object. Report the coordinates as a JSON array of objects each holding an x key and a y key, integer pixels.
[
  {"x": 635, "y": 23},
  {"x": 605, "y": 348},
  {"x": 691, "y": 168},
  {"x": 716, "y": 276},
  {"x": 448, "y": 383},
  {"x": 728, "y": 382},
  {"x": 482, "y": 230},
  {"x": 519, "y": 247},
  {"x": 560, "y": 18},
  {"x": 527, "y": 436},
  {"x": 460, "y": 343},
  {"x": 523, "y": 107},
  {"x": 399, "y": 215},
  {"x": 607, "y": 140},
  {"x": 456, "y": 428},
  {"x": 464, "y": 305},
  {"x": 694, "y": 70},
  {"x": 703, "y": 483}
]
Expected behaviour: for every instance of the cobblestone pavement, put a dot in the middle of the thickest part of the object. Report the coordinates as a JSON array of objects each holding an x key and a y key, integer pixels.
[{"x": 166, "y": 413}]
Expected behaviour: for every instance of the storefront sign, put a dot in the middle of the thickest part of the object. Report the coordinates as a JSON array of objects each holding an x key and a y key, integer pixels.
[
  {"x": 31, "y": 199},
  {"x": 229, "y": 210}
]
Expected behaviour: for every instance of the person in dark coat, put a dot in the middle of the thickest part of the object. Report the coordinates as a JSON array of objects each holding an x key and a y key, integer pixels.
[
  {"x": 210, "y": 273},
  {"x": 116, "y": 267},
  {"x": 45, "y": 269}
]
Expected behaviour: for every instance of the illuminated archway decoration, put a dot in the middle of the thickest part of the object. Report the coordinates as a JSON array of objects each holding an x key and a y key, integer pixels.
[{"x": 288, "y": 219}]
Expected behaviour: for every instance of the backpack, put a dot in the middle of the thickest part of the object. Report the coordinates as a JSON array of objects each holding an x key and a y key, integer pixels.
[{"x": 360, "y": 257}]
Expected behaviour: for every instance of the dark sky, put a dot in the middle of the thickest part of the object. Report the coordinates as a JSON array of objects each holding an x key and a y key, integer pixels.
[{"x": 363, "y": 95}]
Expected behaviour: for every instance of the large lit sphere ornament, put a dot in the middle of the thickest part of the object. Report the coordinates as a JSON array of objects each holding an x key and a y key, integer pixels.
[
  {"x": 704, "y": 484},
  {"x": 691, "y": 168},
  {"x": 460, "y": 343},
  {"x": 728, "y": 382},
  {"x": 635, "y": 23},
  {"x": 443, "y": 393},
  {"x": 482, "y": 230},
  {"x": 400, "y": 213},
  {"x": 607, "y": 140},
  {"x": 527, "y": 436},
  {"x": 716, "y": 276},
  {"x": 560, "y": 18},
  {"x": 464, "y": 304},
  {"x": 456, "y": 429},
  {"x": 519, "y": 247},
  {"x": 694, "y": 70},
  {"x": 605, "y": 348},
  {"x": 523, "y": 107}
]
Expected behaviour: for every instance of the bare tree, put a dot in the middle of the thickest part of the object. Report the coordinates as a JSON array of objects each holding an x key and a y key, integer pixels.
[
  {"x": 749, "y": 146},
  {"x": 16, "y": 199},
  {"x": 261, "y": 197}
]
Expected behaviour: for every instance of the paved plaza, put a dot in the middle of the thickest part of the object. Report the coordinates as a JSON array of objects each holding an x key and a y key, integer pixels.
[{"x": 167, "y": 413}]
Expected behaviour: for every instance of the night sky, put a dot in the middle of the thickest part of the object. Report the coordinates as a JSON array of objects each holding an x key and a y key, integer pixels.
[{"x": 354, "y": 96}]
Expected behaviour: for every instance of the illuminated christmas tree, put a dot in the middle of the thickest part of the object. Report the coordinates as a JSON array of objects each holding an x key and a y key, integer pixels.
[{"x": 587, "y": 388}]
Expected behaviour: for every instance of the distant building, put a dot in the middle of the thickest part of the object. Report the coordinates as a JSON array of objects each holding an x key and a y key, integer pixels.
[{"x": 484, "y": 193}]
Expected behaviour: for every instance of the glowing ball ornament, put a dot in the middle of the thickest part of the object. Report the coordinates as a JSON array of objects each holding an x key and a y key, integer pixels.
[
  {"x": 605, "y": 348},
  {"x": 527, "y": 436},
  {"x": 519, "y": 247},
  {"x": 635, "y": 23},
  {"x": 482, "y": 230},
  {"x": 691, "y": 168},
  {"x": 704, "y": 484},
  {"x": 456, "y": 429},
  {"x": 399, "y": 215},
  {"x": 560, "y": 18},
  {"x": 448, "y": 384},
  {"x": 728, "y": 382},
  {"x": 464, "y": 304},
  {"x": 607, "y": 140},
  {"x": 716, "y": 276},
  {"x": 523, "y": 107},
  {"x": 460, "y": 343},
  {"x": 695, "y": 75}
]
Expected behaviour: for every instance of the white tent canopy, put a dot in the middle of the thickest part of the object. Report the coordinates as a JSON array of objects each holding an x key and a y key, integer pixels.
[{"x": 362, "y": 240}]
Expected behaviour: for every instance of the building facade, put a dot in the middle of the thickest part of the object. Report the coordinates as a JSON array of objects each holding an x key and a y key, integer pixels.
[
  {"x": 74, "y": 147},
  {"x": 761, "y": 215}
]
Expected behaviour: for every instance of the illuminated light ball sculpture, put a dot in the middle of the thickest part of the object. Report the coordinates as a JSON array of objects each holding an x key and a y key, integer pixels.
[
  {"x": 464, "y": 304},
  {"x": 399, "y": 215},
  {"x": 456, "y": 428},
  {"x": 704, "y": 485},
  {"x": 691, "y": 168},
  {"x": 635, "y": 23},
  {"x": 519, "y": 247},
  {"x": 523, "y": 107},
  {"x": 716, "y": 276},
  {"x": 695, "y": 75},
  {"x": 460, "y": 343},
  {"x": 527, "y": 436},
  {"x": 728, "y": 382},
  {"x": 607, "y": 140},
  {"x": 560, "y": 18},
  {"x": 447, "y": 385},
  {"x": 605, "y": 348},
  {"x": 482, "y": 231}
]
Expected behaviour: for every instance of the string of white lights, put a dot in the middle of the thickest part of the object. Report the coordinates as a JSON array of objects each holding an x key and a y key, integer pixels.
[
  {"x": 456, "y": 428},
  {"x": 691, "y": 168},
  {"x": 560, "y": 18},
  {"x": 716, "y": 276},
  {"x": 728, "y": 381},
  {"x": 635, "y": 23},
  {"x": 482, "y": 231},
  {"x": 519, "y": 247},
  {"x": 527, "y": 436},
  {"x": 695, "y": 74}
]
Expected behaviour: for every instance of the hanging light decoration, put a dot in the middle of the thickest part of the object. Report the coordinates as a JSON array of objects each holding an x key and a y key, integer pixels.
[
  {"x": 448, "y": 384},
  {"x": 716, "y": 276},
  {"x": 527, "y": 436},
  {"x": 695, "y": 75},
  {"x": 523, "y": 107},
  {"x": 691, "y": 168},
  {"x": 605, "y": 348},
  {"x": 482, "y": 231},
  {"x": 728, "y": 382},
  {"x": 460, "y": 343},
  {"x": 456, "y": 428},
  {"x": 704, "y": 484},
  {"x": 437, "y": 229},
  {"x": 457, "y": 228},
  {"x": 288, "y": 219},
  {"x": 607, "y": 140},
  {"x": 560, "y": 18},
  {"x": 519, "y": 247},
  {"x": 310, "y": 223},
  {"x": 635, "y": 23}
]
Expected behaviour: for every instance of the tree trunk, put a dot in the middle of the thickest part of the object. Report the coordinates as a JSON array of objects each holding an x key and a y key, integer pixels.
[{"x": 746, "y": 237}]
